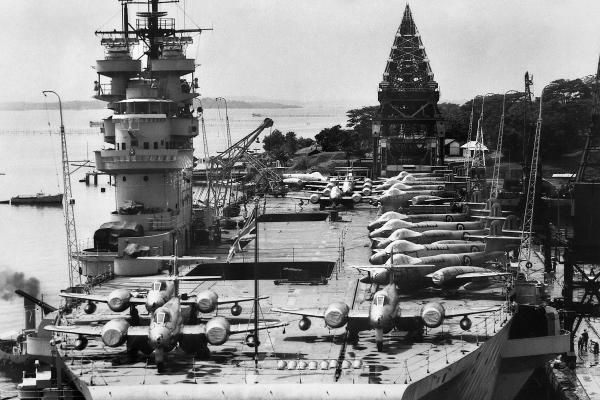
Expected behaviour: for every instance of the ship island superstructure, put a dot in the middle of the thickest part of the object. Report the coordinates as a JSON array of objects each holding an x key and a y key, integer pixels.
[
  {"x": 150, "y": 137},
  {"x": 308, "y": 265}
]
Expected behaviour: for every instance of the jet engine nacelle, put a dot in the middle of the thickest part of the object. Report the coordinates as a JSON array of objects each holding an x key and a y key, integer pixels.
[
  {"x": 400, "y": 234},
  {"x": 336, "y": 315},
  {"x": 217, "y": 331},
  {"x": 81, "y": 343},
  {"x": 432, "y": 315},
  {"x": 381, "y": 278},
  {"x": 90, "y": 307},
  {"x": 114, "y": 332},
  {"x": 356, "y": 198},
  {"x": 379, "y": 258},
  {"x": 314, "y": 198},
  {"x": 118, "y": 300},
  {"x": 389, "y": 227},
  {"x": 207, "y": 301},
  {"x": 385, "y": 217},
  {"x": 387, "y": 184}
]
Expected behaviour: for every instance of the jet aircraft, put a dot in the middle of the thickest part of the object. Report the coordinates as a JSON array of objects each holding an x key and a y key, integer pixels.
[
  {"x": 166, "y": 331},
  {"x": 385, "y": 313}
]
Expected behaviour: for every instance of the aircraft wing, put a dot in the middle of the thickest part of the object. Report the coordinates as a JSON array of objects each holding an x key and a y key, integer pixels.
[
  {"x": 228, "y": 300},
  {"x": 93, "y": 330},
  {"x": 354, "y": 315},
  {"x": 307, "y": 198},
  {"x": 247, "y": 328},
  {"x": 90, "y": 297},
  {"x": 316, "y": 313},
  {"x": 489, "y": 218},
  {"x": 476, "y": 275},
  {"x": 452, "y": 314},
  {"x": 179, "y": 278},
  {"x": 97, "y": 298},
  {"x": 200, "y": 329},
  {"x": 306, "y": 312},
  {"x": 85, "y": 330},
  {"x": 171, "y": 258},
  {"x": 483, "y": 237},
  {"x": 369, "y": 270}
]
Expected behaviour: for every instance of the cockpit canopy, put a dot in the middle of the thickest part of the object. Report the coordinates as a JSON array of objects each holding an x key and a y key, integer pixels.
[
  {"x": 380, "y": 300},
  {"x": 162, "y": 317}
]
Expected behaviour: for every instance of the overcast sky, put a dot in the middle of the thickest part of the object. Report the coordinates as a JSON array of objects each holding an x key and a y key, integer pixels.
[{"x": 309, "y": 50}]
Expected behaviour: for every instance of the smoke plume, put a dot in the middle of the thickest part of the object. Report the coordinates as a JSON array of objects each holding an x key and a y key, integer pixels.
[{"x": 11, "y": 281}]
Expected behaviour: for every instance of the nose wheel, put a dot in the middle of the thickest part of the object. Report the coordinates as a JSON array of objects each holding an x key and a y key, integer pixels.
[
  {"x": 379, "y": 339},
  {"x": 135, "y": 315}
]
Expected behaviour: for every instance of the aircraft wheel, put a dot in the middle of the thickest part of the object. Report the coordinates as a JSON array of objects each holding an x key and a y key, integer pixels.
[{"x": 380, "y": 346}]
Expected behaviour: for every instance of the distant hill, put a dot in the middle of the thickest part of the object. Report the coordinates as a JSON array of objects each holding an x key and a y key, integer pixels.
[{"x": 96, "y": 104}]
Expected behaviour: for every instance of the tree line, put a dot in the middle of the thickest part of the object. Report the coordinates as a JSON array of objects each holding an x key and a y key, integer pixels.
[{"x": 566, "y": 118}]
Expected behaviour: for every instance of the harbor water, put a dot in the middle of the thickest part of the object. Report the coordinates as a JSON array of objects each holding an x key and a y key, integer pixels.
[{"x": 32, "y": 238}]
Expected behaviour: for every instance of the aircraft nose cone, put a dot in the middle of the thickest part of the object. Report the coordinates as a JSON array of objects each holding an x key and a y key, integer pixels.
[
  {"x": 159, "y": 337},
  {"x": 153, "y": 301}
]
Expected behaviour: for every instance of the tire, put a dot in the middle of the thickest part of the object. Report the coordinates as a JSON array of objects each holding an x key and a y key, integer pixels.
[
  {"x": 460, "y": 227},
  {"x": 449, "y": 218},
  {"x": 466, "y": 260}
]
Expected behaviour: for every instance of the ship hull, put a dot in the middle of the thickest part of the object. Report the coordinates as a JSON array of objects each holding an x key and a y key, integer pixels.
[{"x": 43, "y": 200}]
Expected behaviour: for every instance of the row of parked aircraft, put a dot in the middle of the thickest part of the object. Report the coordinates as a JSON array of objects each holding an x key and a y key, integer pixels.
[
  {"x": 347, "y": 191},
  {"x": 416, "y": 251}
]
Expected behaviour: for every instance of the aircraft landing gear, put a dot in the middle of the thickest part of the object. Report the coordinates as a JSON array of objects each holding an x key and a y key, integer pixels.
[
  {"x": 203, "y": 352},
  {"x": 135, "y": 315}
]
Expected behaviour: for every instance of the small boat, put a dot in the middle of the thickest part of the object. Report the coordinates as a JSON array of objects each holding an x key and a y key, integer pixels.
[{"x": 39, "y": 198}]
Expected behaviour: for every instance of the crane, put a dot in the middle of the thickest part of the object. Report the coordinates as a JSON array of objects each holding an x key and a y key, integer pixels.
[
  {"x": 220, "y": 167},
  {"x": 496, "y": 174},
  {"x": 591, "y": 141},
  {"x": 467, "y": 164},
  {"x": 68, "y": 201},
  {"x": 527, "y": 230}
]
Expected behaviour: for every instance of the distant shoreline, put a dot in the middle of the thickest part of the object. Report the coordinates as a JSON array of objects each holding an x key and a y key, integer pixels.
[{"x": 207, "y": 103}]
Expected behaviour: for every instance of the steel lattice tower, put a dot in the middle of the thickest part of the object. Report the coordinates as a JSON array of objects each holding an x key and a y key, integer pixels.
[
  {"x": 408, "y": 123},
  {"x": 592, "y": 142}
]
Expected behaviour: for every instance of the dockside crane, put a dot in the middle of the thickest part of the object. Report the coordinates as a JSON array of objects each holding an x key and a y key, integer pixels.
[
  {"x": 220, "y": 168},
  {"x": 527, "y": 229},
  {"x": 68, "y": 202},
  {"x": 496, "y": 173},
  {"x": 592, "y": 140}
]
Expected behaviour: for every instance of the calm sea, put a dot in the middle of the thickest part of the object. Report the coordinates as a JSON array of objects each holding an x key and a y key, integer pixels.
[{"x": 32, "y": 239}]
